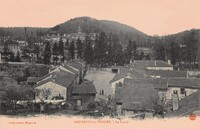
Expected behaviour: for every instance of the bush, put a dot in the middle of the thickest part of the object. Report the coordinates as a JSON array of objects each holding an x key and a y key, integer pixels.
[{"x": 91, "y": 106}]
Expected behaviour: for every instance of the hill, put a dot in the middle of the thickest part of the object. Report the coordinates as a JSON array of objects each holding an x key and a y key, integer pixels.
[
  {"x": 182, "y": 36},
  {"x": 91, "y": 25}
]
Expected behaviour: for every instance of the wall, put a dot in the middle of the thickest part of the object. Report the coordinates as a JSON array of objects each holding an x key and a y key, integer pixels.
[
  {"x": 113, "y": 85},
  {"x": 55, "y": 90},
  {"x": 160, "y": 68},
  {"x": 171, "y": 89}
]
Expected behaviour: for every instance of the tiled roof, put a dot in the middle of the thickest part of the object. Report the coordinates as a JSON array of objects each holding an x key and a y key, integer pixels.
[
  {"x": 71, "y": 69},
  {"x": 80, "y": 61},
  {"x": 151, "y": 63},
  {"x": 187, "y": 105},
  {"x": 131, "y": 72},
  {"x": 160, "y": 84},
  {"x": 61, "y": 78},
  {"x": 74, "y": 64},
  {"x": 184, "y": 82},
  {"x": 136, "y": 96},
  {"x": 166, "y": 73},
  {"x": 84, "y": 88},
  {"x": 157, "y": 83}
]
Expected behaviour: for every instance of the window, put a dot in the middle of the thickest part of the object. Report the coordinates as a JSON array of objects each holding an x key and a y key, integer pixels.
[
  {"x": 175, "y": 92},
  {"x": 182, "y": 91}
]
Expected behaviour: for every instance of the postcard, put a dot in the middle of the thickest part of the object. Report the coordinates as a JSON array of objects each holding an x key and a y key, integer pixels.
[{"x": 97, "y": 64}]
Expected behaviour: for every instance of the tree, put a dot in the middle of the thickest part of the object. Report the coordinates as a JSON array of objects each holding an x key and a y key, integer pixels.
[
  {"x": 115, "y": 52},
  {"x": 47, "y": 53},
  {"x": 55, "y": 53},
  {"x": 12, "y": 56},
  {"x": 15, "y": 92},
  {"x": 18, "y": 57},
  {"x": 67, "y": 43},
  {"x": 79, "y": 48},
  {"x": 88, "y": 52},
  {"x": 61, "y": 49},
  {"x": 72, "y": 50},
  {"x": 160, "y": 50},
  {"x": 6, "y": 49},
  {"x": 174, "y": 51},
  {"x": 100, "y": 49},
  {"x": 191, "y": 42},
  {"x": 131, "y": 51},
  {"x": 43, "y": 94}
]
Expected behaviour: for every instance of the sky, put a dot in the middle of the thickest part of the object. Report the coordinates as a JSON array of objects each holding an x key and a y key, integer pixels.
[{"x": 153, "y": 17}]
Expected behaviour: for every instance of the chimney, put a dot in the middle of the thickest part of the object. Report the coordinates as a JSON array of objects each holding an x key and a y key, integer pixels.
[
  {"x": 118, "y": 70},
  {"x": 169, "y": 62},
  {"x": 175, "y": 101},
  {"x": 187, "y": 74}
]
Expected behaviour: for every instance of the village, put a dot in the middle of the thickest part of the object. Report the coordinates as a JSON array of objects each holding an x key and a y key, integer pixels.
[{"x": 68, "y": 84}]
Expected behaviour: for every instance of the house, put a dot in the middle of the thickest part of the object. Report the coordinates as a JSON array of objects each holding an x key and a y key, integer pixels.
[
  {"x": 73, "y": 68},
  {"x": 159, "y": 84},
  {"x": 116, "y": 69},
  {"x": 165, "y": 73},
  {"x": 125, "y": 73},
  {"x": 187, "y": 106},
  {"x": 83, "y": 64},
  {"x": 136, "y": 99},
  {"x": 182, "y": 87},
  {"x": 167, "y": 87},
  {"x": 22, "y": 43},
  {"x": 153, "y": 65},
  {"x": 76, "y": 67},
  {"x": 54, "y": 86},
  {"x": 83, "y": 95},
  {"x": 12, "y": 46}
]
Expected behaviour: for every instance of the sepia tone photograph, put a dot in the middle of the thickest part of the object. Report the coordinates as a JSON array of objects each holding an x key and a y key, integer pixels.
[{"x": 99, "y": 64}]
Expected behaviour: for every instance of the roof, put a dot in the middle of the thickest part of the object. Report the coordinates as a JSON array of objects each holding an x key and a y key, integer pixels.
[
  {"x": 166, "y": 73},
  {"x": 187, "y": 105},
  {"x": 71, "y": 69},
  {"x": 160, "y": 84},
  {"x": 80, "y": 61},
  {"x": 74, "y": 64},
  {"x": 157, "y": 83},
  {"x": 137, "y": 96},
  {"x": 117, "y": 67},
  {"x": 184, "y": 82},
  {"x": 151, "y": 63},
  {"x": 131, "y": 72},
  {"x": 60, "y": 78},
  {"x": 84, "y": 88}
]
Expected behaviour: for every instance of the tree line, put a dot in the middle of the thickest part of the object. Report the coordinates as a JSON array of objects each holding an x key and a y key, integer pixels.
[
  {"x": 183, "y": 52},
  {"x": 104, "y": 51}
]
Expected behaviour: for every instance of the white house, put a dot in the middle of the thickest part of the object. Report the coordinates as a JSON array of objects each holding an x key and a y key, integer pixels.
[
  {"x": 154, "y": 64},
  {"x": 182, "y": 87},
  {"x": 120, "y": 76},
  {"x": 54, "y": 86}
]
